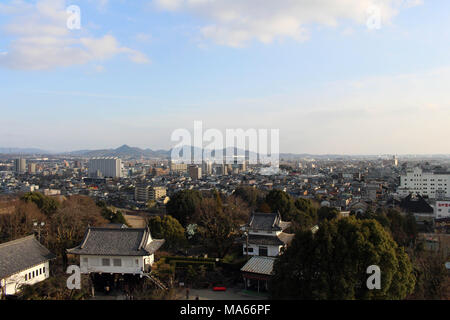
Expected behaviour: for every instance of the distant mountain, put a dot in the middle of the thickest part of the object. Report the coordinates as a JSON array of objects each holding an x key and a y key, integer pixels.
[
  {"x": 19, "y": 151},
  {"x": 124, "y": 151}
]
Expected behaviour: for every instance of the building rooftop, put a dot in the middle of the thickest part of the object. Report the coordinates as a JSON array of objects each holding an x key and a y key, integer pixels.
[
  {"x": 259, "y": 265},
  {"x": 117, "y": 241},
  {"x": 267, "y": 222},
  {"x": 21, "y": 254}
]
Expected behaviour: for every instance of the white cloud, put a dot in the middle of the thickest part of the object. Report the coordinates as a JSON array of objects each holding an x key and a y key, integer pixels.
[
  {"x": 236, "y": 22},
  {"x": 43, "y": 41}
]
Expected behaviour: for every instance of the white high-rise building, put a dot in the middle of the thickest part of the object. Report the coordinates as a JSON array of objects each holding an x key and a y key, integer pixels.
[
  {"x": 435, "y": 185},
  {"x": 105, "y": 167}
]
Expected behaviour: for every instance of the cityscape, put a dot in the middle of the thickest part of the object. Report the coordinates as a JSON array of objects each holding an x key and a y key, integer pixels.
[{"x": 224, "y": 158}]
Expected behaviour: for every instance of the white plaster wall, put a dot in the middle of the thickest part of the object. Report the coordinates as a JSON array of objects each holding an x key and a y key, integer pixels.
[
  {"x": 130, "y": 264},
  {"x": 13, "y": 282}
]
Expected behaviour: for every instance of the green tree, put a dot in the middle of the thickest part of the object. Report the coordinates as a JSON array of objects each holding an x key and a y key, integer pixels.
[
  {"x": 110, "y": 215},
  {"x": 327, "y": 213},
  {"x": 307, "y": 206},
  {"x": 280, "y": 201},
  {"x": 183, "y": 205},
  {"x": 168, "y": 228},
  {"x": 46, "y": 204},
  {"x": 332, "y": 263}
]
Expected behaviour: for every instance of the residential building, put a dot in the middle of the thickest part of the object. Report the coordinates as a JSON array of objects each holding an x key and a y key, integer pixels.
[{"x": 105, "y": 167}]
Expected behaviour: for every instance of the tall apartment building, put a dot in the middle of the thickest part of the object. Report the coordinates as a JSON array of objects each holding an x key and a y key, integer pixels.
[
  {"x": 105, "y": 167},
  {"x": 195, "y": 172},
  {"x": 20, "y": 165},
  {"x": 32, "y": 168},
  {"x": 207, "y": 168},
  {"x": 435, "y": 185}
]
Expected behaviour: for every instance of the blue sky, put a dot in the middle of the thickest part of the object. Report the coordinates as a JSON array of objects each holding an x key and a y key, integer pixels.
[{"x": 138, "y": 70}]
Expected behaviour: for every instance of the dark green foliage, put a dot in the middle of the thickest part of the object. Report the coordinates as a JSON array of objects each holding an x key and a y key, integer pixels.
[
  {"x": 302, "y": 212},
  {"x": 168, "y": 228},
  {"x": 183, "y": 205},
  {"x": 46, "y": 204},
  {"x": 111, "y": 216},
  {"x": 332, "y": 263},
  {"x": 280, "y": 201},
  {"x": 326, "y": 213}
]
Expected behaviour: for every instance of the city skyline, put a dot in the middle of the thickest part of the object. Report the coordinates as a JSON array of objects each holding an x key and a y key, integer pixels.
[{"x": 135, "y": 72}]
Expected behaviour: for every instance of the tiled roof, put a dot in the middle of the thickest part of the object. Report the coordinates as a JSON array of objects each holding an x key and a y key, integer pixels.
[
  {"x": 21, "y": 254},
  {"x": 418, "y": 205},
  {"x": 115, "y": 241},
  {"x": 259, "y": 265},
  {"x": 266, "y": 221},
  {"x": 265, "y": 240}
]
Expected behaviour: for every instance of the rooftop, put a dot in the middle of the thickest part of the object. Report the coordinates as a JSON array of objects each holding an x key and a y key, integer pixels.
[
  {"x": 117, "y": 241},
  {"x": 259, "y": 265},
  {"x": 21, "y": 254}
]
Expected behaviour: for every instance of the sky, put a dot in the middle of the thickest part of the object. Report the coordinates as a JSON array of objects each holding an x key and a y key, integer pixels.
[{"x": 334, "y": 76}]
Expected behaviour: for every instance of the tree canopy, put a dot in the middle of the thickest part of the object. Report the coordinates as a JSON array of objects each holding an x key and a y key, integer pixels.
[
  {"x": 183, "y": 205},
  {"x": 332, "y": 263},
  {"x": 168, "y": 228}
]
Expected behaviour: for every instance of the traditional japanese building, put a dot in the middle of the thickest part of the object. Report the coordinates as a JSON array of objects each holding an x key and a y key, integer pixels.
[
  {"x": 23, "y": 262},
  {"x": 265, "y": 235},
  {"x": 117, "y": 251}
]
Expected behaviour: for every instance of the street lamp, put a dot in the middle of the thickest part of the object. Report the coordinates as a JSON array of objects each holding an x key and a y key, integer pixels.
[{"x": 39, "y": 225}]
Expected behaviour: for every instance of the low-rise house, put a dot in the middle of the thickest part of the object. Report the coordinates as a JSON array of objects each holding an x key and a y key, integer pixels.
[
  {"x": 23, "y": 262},
  {"x": 265, "y": 235},
  {"x": 117, "y": 250}
]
